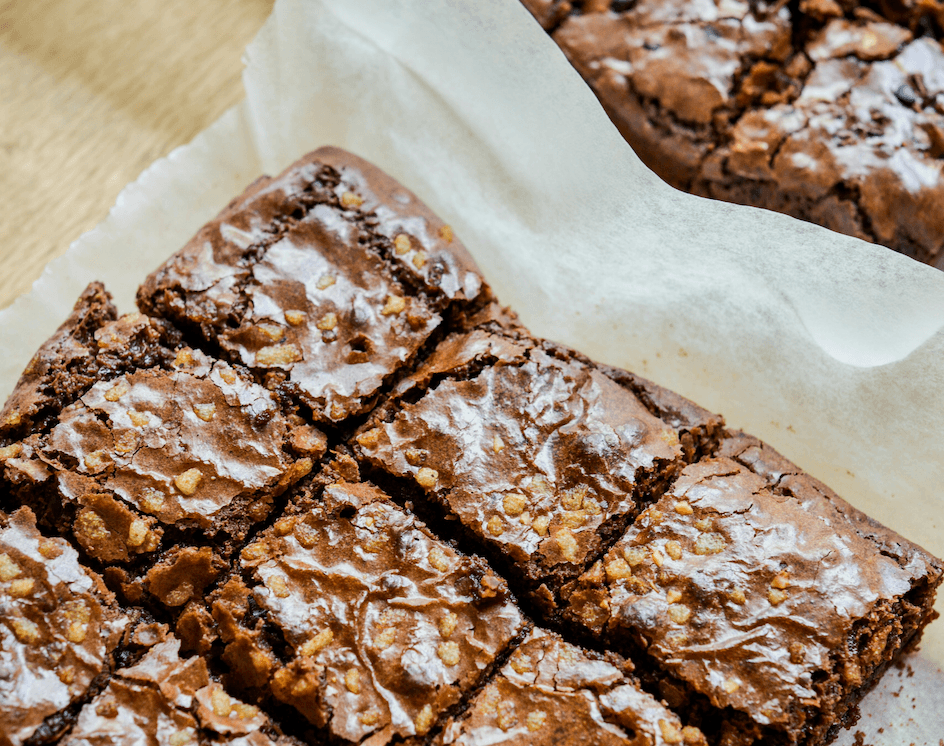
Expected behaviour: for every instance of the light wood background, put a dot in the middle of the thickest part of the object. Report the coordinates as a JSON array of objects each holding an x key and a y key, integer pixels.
[{"x": 91, "y": 93}]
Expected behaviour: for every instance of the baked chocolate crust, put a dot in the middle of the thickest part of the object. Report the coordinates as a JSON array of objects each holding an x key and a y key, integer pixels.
[
  {"x": 159, "y": 473},
  {"x": 829, "y": 112},
  {"x": 326, "y": 280},
  {"x": 552, "y": 692},
  {"x": 365, "y": 622},
  {"x": 760, "y": 592},
  {"x": 59, "y": 627},
  {"x": 539, "y": 454},
  {"x": 92, "y": 345}
]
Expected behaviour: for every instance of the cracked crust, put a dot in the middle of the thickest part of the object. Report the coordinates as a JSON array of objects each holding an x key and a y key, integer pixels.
[
  {"x": 829, "y": 112},
  {"x": 324, "y": 281},
  {"x": 537, "y": 452},
  {"x": 92, "y": 345},
  {"x": 551, "y": 692},
  {"x": 373, "y": 627},
  {"x": 747, "y": 586},
  {"x": 59, "y": 627},
  {"x": 150, "y": 462}
]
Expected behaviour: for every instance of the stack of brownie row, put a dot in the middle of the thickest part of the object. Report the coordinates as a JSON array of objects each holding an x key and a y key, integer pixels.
[
  {"x": 831, "y": 111},
  {"x": 324, "y": 489}
]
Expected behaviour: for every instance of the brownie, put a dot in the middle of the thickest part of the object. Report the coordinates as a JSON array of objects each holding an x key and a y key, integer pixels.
[
  {"x": 353, "y": 613},
  {"x": 59, "y": 629},
  {"x": 763, "y": 605},
  {"x": 491, "y": 501},
  {"x": 166, "y": 699},
  {"x": 325, "y": 281},
  {"x": 539, "y": 454},
  {"x": 92, "y": 345},
  {"x": 552, "y": 692},
  {"x": 832, "y": 112},
  {"x": 158, "y": 473}
]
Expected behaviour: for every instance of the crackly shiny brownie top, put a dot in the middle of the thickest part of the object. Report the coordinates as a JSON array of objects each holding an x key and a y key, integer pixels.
[
  {"x": 687, "y": 56},
  {"x": 552, "y": 692},
  {"x": 531, "y": 447},
  {"x": 753, "y": 594},
  {"x": 165, "y": 699},
  {"x": 386, "y": 625},
  {"x": 58, "y": 626},
  {"x": 329, "y": 278},
  {"x": 93, "y": 344},
  {"x": 196, "y": 445}
]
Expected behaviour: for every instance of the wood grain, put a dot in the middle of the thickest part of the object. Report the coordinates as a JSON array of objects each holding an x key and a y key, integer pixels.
[{"x": 91, "y": 93}]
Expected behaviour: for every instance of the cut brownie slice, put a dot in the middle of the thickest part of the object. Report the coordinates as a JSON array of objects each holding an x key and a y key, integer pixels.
[
  {"x": 160, "y": 471},
  {"x": 764, "y": 605},
  {"x": 92, "y": 345},
  {"x": 541, "y": 455},
  {"x": 325, "y": 281},
  {"x": 552, "y": 692},
  {"x": 356, "y": 616},
  {"x": 59, "y": 628},
  {"x": 166, "y": 699}
]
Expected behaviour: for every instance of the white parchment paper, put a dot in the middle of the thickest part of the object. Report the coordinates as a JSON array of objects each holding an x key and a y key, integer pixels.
[{"x": 829, "y": 348}]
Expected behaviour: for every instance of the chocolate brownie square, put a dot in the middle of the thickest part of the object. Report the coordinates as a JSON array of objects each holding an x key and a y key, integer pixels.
[
  {"x": 92, "y": 345},
  {"x": 763, "y": 605},
  {"x": 539, "y": 454},
  {"x": 353, "y": 613},
  {"x": 166, "y": 699},
  {"x": 158, "y": 472},
  {"x": 552, "y": 692},
  {"x": 325, "y": 281},
  {"x": 59, "y": 629}
]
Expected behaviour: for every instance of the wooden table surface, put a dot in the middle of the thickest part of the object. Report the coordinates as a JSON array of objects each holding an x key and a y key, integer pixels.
[{"x": 91, "y": 93}]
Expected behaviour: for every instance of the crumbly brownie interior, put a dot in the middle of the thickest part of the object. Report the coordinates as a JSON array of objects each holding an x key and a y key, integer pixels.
[
  {"x": 464, "y": 562},
  {"x": 829, "y": 111}
]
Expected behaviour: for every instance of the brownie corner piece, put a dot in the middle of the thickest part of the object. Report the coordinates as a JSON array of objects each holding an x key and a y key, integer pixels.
[
  {"x": 325, "y": 281},
  {"x": 541, "y": 455},
  {"x": 765, "y": 606},
  {"x": 92, "y": 344},
  {"x": 550, "y": 691},
  {"x": 352, "y": 613},
  {"x": 59, "y": 628}
]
